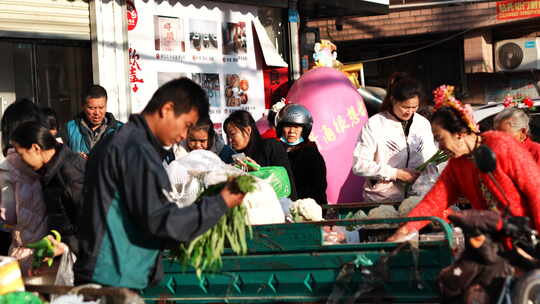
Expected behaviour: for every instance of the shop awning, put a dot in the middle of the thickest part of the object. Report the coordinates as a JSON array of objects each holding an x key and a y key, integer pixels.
[
  {"x": 319, "y": 9},
  {"x": 270, "y": 54}
]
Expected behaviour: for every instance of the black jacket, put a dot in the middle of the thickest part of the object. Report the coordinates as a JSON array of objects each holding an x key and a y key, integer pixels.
[
  {"x": 130, "y": 213},
  {"x": 270, "y": 152},
  {"x": 309, "y": 171},
  {"x": 62, "y": 180}
]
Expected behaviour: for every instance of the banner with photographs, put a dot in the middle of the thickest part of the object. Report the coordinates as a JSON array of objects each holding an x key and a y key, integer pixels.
[{"x": 210, "y": 42}]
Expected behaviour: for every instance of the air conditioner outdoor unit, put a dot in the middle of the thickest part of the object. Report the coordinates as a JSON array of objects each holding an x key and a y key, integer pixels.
[{"x": 517, "y": 54}]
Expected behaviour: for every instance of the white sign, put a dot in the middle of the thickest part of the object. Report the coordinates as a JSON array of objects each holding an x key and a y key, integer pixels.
[{"x": 211, "y": 43}]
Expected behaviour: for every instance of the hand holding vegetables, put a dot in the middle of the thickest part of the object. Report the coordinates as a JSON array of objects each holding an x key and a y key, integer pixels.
[
  {"x": 407, "y": 175},
  {"x": 46, "y": 249},
  {"x": 232, "y": 194},
  {"x": 204, "y": 252}
]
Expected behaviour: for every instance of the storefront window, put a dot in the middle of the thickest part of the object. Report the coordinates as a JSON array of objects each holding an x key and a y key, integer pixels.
[
  {"x": 51, "y": 75},
  {"x": 272, "y": 20}
]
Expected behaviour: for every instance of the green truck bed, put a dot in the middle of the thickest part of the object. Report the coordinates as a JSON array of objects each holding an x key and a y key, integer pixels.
[{"x": 291, "y": 263}]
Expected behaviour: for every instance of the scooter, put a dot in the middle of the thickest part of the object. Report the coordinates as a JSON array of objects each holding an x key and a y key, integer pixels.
[{"x": 489, "y": 235}]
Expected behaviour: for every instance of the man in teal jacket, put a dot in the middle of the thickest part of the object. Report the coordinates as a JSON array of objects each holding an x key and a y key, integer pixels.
[
  {"x": 128, "y": 207},
  {"x": 92, "y": 124}
]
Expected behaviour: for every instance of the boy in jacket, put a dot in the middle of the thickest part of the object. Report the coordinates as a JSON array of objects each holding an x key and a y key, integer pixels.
[{"x": 127, "y": 193}]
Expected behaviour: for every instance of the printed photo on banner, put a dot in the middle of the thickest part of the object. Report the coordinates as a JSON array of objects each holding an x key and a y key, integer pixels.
[
  {"x": 203, "y": 35},
  {"x": 210, "y": 83},
  {"x": 169, "y": 34},
  {"x": 234, "y": 38},
  {"x": 236, "y": 90},
  {"x": 164, "y": 77}
]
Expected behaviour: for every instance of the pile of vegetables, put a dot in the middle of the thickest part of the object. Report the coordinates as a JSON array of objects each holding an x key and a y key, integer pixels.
[
  {"x": 204, "y": 252},
  {"x": 304, "y": 210}
]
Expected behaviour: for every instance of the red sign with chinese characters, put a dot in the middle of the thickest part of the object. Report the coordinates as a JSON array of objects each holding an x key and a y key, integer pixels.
[
  {"x": 514, "y": 9},
  {"x": 132, "y": 15},
  {"x": 134, "y": 68}
]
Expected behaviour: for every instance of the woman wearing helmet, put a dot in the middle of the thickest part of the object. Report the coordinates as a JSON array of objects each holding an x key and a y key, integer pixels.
[
  {"x": 393, "y": 143},
  {"x": 294, "y": 123}
]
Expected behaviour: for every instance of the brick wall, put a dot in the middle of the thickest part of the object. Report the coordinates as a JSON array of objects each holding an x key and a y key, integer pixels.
[{"x": 412, "y": 22}]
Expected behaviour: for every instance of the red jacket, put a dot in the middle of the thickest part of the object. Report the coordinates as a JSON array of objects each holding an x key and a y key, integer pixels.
[
  {"x": 517, "y": 173},
  {"x": 534, "y": 148}
]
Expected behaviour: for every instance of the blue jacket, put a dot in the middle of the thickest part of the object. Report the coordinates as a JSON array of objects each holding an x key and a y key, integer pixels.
[{"x": 76, "y": 137}]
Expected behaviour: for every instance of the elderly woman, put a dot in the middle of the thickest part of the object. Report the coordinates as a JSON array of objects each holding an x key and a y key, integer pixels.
[
  {"x": 458, "y": 135},
  {"x": 515, "y": 122},
  {"x": 513, "y": 191},
  {"x": 393, "y": 143},
  {"x": 294, "y": 123}
]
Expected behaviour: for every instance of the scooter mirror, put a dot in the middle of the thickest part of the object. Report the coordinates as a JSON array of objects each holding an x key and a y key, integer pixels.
[{"x": 485, "y": 159}]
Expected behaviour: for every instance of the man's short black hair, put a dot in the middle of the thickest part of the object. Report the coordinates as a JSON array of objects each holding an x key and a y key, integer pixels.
[
  {"x": 95, "y": 91},
  {"x": 184, "y": 93}
]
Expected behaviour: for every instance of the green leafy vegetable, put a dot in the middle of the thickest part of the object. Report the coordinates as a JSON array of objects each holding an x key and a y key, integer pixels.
[{"x": 204, "y": 252}]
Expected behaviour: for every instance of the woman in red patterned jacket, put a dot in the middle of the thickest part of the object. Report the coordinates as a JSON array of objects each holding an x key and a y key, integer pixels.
[{"x": 457, "y": 134}]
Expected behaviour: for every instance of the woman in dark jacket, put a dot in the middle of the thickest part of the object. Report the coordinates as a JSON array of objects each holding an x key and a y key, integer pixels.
[
  {"x": 294, "y": 124},
  {"x": 62, "y": 176},
  {"x": 244, "y": 137}
]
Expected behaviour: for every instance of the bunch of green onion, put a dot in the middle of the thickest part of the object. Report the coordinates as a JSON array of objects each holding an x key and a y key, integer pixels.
[
  {"x": 204, "y": 252},
  {"x": 437, "y": 158}
]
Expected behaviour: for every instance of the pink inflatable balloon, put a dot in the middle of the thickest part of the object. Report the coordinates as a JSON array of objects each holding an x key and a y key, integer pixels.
[{"x": 339, "y": 114}]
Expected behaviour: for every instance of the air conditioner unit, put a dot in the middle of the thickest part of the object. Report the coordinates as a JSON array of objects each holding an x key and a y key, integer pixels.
[{"x": 517, "y": 54}]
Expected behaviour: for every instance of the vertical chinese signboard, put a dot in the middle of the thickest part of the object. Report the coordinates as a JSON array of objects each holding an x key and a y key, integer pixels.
[{"x": 211, "y": 43}]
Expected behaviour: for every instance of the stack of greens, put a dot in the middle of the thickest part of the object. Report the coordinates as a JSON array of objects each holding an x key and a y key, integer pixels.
[{"x": 204, "y": 252}]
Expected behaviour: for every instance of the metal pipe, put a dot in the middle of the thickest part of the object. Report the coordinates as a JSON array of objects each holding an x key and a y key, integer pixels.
[{"x": 294, "y": 44}]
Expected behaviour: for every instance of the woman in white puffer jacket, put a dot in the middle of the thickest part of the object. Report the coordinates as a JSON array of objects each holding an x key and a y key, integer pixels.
[{"x": 393, "y": 143}]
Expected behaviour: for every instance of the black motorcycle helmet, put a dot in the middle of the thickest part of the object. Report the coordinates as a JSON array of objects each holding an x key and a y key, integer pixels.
[{"x": 294, "y": 114}]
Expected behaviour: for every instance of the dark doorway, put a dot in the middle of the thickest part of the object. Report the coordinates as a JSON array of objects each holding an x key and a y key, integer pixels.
[{"x": 50, "y": 73}]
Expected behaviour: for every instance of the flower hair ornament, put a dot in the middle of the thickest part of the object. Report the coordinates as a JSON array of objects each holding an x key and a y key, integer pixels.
[{"x": 444, "y": 97}]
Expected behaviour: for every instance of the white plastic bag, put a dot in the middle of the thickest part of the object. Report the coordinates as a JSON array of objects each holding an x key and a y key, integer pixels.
[
  {"x": 263, "y": 206},
  {"x": 64, "y": 276},
  {"x": 200, "y": 169},
  {"x": 425, "y": 181},
  {"x": 193, "y": 173}
]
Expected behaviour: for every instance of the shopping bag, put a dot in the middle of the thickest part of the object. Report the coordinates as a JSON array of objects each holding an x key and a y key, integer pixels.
[{"x": 277, "y": 177}]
